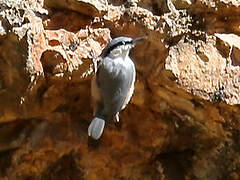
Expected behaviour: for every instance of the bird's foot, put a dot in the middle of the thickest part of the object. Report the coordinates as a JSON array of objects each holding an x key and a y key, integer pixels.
[{"x": 117, "y": 117}]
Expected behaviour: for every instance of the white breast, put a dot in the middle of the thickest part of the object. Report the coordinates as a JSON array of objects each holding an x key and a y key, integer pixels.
[{"x": 130, "y": 93}]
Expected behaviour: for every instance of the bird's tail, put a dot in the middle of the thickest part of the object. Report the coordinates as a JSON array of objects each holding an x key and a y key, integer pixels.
[{"x": 96, "y": 127}]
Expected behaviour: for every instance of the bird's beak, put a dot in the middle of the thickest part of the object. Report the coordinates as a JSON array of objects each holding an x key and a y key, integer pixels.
[{"x": 139, "y": 39}]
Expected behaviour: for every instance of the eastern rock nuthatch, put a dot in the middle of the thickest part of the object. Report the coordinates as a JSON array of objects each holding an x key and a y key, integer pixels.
[{"x": 113, "y": 84}]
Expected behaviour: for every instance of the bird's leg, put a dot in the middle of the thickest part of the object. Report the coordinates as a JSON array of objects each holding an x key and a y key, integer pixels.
[
  {"x": 117, "y": 117},
  {"x": 117, "y": 123}
]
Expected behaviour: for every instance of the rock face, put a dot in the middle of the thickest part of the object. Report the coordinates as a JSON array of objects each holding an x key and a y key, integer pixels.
[{"x": 183, "y": 122}]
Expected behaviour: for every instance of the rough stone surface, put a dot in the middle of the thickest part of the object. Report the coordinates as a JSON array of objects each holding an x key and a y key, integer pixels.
[{"x": 183, "y": 122}]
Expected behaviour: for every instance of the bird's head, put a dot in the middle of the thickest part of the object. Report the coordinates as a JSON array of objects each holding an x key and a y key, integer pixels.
[{"x": 120, "y": 46}]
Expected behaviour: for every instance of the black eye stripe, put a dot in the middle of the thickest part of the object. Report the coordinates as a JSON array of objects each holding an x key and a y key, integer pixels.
[
  {"x": 116, "y": 45},
  {"x": 119, "y": 44}
]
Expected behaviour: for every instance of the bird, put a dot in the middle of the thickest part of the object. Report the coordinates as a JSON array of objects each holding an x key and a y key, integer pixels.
[{"x": 112, "y": 86}]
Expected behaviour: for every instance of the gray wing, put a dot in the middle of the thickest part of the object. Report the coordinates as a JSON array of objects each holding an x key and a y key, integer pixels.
[{"x": 114, "y": 81}]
